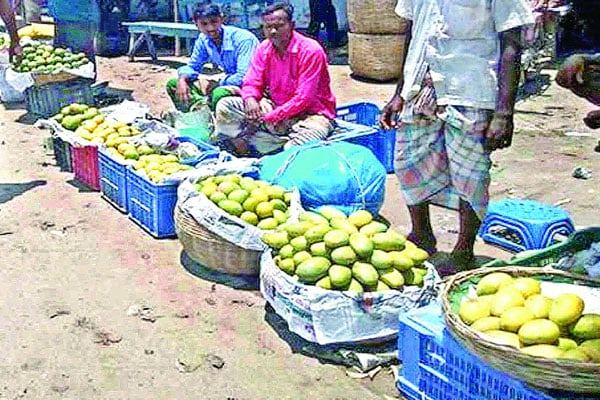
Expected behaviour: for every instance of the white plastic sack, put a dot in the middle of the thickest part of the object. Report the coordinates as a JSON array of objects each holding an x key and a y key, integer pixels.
[
  {"x": 210, "y": 216},
  {"x": 20, "y": 81},
  {"x": 329, "y": 316},
  {"x": 8, "y": 94}
]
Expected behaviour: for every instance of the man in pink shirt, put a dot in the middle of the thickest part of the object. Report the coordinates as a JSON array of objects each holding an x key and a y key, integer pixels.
[{"x": 286, "y": 98}]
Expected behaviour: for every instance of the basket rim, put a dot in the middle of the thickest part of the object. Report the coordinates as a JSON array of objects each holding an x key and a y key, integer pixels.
[{"x": 562, "y": 370}]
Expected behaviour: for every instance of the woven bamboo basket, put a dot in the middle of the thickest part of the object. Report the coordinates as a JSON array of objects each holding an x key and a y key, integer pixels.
[
  {"x": 544, "y": 373},
  {"x": 374, "y": 17},
  {"x": 211, "y": 251},
  {"x": 377, "y": 57}
]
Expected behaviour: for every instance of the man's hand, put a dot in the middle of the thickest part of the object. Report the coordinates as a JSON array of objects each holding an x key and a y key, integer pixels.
[
  {"x": 183, "y": 91},
  {"x": 499, "y": 132},
  {"x": 252, "y": 110},
  {"x": 387, "y": 119},
  {"x": 571, "y": 72}
]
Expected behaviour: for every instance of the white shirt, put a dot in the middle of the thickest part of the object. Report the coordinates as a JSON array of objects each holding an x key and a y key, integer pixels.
[{"x": 458, "y": 40}]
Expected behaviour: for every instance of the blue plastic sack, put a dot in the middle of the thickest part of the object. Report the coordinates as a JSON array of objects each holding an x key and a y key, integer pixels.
[{"x": 338, "y": 174}]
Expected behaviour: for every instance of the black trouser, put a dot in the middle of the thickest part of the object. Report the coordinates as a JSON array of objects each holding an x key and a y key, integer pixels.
[{"x": 322, "y": 12}]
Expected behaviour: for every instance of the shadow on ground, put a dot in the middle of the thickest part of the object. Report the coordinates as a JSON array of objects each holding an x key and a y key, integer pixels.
[
  {"x": 242, "y": 282},
  {"x": 9, "y": 191}
]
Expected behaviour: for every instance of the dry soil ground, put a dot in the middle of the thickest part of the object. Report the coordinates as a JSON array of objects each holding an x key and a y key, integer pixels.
[{"x": 74, "y": 270}]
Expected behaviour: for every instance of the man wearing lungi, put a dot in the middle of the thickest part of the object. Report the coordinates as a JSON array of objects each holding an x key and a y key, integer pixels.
[
  {"x": 453, "y": 106},
  {"x": 286, "y": 97}
]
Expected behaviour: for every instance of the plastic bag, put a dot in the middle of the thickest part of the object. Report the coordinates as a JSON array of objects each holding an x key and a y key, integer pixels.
[{"x": 339, "y": 174}]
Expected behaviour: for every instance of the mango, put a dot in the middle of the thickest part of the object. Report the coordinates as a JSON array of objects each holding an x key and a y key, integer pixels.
[
  {"x": 250, "y": 203},
  {"x": 539, "y": 305},
  {"x": 287, "y": 251},
  {"x": 267, "y": 224},
  {"x": 316, "y": 233},
  {"x": 362, "y": 245},
  {"x": 238, "y": 195},
  {"x": 343, "y": 255},
  {"x": 576, "y": 354},
  {"x": 490, "y": 283},
  {"x": 324, "y": 283},
  {"x": 314, "y": 218},
  {"x": 287, "y": 265},
  {"x": 486, "y": 324},
  {"x": 301, "y": 256},
  {"x": 331, "y": 212},
  {"x": 280, "y": 216},
  {"x": 231, "y": 207},
  {"x": 360, "y": 218},
  {"x": 417, "y": 255},
  {"x": 227, "y": 187},
  {"x": 275, "y": 192},
  {"x": 400, "y": 261},
  {"x": 505, "y": 299},
  {"x": 247, "y": 183},
  {"x": 276, "y": 239},
  {"x": 251, "y": 218},
  {"x": 355, "y": 286},
  {"x": 340, "y": 276},
  {"x": 299, "y": 243},
  {"x": 539, "y": 331},
  {"x": 543, "y": 350},
  {"x": 502, "y": 337},
  {"x": 513, "y": 318},
  {"x": 470, "y": 311},
  {"x": 296, "y": 229},
  {"x": 527, "y": 286},
  {"x": 365, "y": 274},
  {"x": 313, "y": 269},
  {"x": 566, "y": 343},
  {"x": 586, "y": 327},
  {"x": 381, "y": 286},
  {"x": 263, "y": 209},
  {"x": 344, "y": 225},
  {"x": 381, "y": 260},
  {"x": 336, "y": 238},
  {"x": 592, "y": 349},
  {"x": 319, "y": 249},
  {"x": 278, "y": 204},
  {"x": 372, "y": 228},
  {"x": 387, "y": 241},
  {"x": 566, "y": 309},
  {"x": 392, "y": 278},
  {"x": 217, "y": 197}
]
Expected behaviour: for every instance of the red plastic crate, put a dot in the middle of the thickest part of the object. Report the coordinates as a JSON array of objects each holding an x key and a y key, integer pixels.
[{"x": 85, "y": 166}]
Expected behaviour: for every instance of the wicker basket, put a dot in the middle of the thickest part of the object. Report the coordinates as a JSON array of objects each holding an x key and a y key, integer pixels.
[
  {"x": 211, "y": 251},
  {"x": 539, "y": 372},
  {"x": 376, "y": 57},
  {"x": 374, "y": 17}
]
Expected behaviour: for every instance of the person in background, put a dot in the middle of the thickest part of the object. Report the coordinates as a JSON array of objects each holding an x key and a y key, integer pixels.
[
  {"x": 453, "y": 106},
  {"x": 7, "y": 13},
  {"x": 323, "y": 12},
  {"x": 227, "y": 47},
  {"x": 286, "y": 98},
  {"x": 76, "y": 24}
]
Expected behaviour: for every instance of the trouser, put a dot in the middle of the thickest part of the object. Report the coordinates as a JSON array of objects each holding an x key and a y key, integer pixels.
[
  {"x": 235, "y": 134},
  {"x": 197, "y": 89},
  {"x": 322, "y": 12}
]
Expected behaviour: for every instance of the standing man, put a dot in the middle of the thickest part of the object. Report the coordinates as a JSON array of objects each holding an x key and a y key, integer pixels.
[
  {"x": 454, "y": 104},
  {"x": 323, "y": 12},
  {"x": 286, "y": 97},
  {"x": 228, "y": 47},
  {"x": 77, "y": 23},
  {"x": 7, "y": 13}
]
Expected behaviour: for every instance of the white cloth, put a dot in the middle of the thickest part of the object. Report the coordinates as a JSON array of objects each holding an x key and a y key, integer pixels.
[{"x": 458, "y": 41}]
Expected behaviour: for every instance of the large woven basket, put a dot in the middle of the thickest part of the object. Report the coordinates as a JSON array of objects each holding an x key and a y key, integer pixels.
[
  {"x": 211, "y": 251},
  {"x": 544, "y": 373},
  {"x": 377, "y": 57},
  {"x": 374, "y": 17}
]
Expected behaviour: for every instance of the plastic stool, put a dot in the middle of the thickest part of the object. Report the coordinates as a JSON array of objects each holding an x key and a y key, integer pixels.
[{"x": 520, "y": 225}]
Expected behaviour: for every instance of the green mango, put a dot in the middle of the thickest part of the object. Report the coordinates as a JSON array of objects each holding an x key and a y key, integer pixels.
[
  {"x": 392, "y": 278},
  {"x": 336, "y": 238},
  {"x": 276, "y": 239},
  {"x": 316, "y": 233},
  {"x": 331, "y": 212},
  {"x": 340, "y": 276},
  {"x": 313, "y": 269},
  {"x": 362, "y": 245},
  {"x": 324, "y": 283},
  {"x": 319, "y": 249},
  {"x": 314, "y": 218},
  {"x": 373, "y": 227},
  {"x": 343, "y": 255},
  {"x": 365, "y": 273},
  {"x": 381, "y": 260}
]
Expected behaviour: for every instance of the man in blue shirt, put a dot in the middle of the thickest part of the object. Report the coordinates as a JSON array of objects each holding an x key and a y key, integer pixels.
[{"x": 228, "y": 47}]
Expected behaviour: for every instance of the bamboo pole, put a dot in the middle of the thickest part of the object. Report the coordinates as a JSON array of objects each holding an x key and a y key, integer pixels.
[{"x": 177, "y": 39}]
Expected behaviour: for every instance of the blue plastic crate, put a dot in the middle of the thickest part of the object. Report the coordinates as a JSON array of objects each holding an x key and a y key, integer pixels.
[
  {"x": 113, "y": 181},
  {"x": 520, "y": 225},
  {"x": 436, "y": 367},
  {"x": 382, "y": 142},
  {"x": 47, "y": 100},
  {"x": 151, "y": 205}
]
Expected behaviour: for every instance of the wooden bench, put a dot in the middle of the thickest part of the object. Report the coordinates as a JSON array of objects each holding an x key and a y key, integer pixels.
[{"x": 140, "y": 32}]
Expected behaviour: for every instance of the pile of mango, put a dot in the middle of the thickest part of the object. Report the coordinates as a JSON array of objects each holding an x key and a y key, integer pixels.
[
  {"x": 156, "y": 166},
  {"x": 73, "y": 115},
  {"x": 334, "y": 251},
  {"x": 514, "y": 312},
  {"x": 45, "y": 58},
  {"x": 254, "y": 201}
]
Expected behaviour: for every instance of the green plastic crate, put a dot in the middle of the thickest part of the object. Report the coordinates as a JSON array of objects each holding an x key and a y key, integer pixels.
[{"x": 577, "y": 241}]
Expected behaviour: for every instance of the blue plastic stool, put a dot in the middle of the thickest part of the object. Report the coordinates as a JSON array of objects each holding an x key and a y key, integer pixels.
[{"x": 520, "y": 225}]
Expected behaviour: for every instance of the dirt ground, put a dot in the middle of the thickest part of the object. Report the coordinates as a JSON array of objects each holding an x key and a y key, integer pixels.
[{"x": 94, "y": 308}]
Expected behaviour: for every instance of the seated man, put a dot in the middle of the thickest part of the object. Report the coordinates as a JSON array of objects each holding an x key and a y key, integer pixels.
[
  {"x": 286, "y": 97},
  {"x": 228, "y": 47}
]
